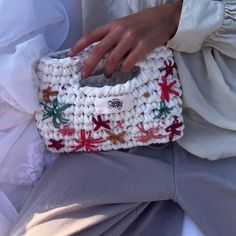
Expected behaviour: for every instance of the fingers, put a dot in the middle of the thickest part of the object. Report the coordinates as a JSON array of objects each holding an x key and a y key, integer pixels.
[
  {"x": 98, "y": 52},
  {"x": 89, "y": 38},
  {"x": 134, "y": 56},
  {"x": 116, "y": 56},
  {"x": 123, "y": 41}
]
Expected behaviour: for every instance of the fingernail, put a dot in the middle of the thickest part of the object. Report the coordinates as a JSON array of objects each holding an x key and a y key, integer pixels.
[
  {"x": 108, "y": 76},
  {"x": 70, "y": 53},
  {"x": 123, "y": 70},
  {"x": 107, "y": 73},
  {"x": 84, "y": 75}
]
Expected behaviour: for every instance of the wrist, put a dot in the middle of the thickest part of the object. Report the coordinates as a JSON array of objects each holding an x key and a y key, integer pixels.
[
  {"x": 174, "y": 17},
  {"x": 169, "y": 16}
]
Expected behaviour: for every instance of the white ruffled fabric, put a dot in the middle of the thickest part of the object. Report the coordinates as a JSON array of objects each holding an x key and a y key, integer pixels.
[
  {"x": 53, "y": 23},
  {"x": 21, "y": 46},
  {"x": 208, "y": 76},
  {"x": 108, "y": 10}
]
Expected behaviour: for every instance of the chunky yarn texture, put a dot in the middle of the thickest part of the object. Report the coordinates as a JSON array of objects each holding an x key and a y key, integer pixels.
[{"x": 134, "y": 109}]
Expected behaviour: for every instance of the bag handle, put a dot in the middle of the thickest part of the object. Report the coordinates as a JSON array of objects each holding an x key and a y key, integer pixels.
[
  {"x": 59, "y": 65},
  {"x": 99, "y": 80}
]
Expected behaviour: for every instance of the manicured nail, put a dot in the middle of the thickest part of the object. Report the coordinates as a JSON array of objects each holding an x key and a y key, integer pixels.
[
  {"x": 84, "y": 75},
  {"x": 71, "y": 53},
  {"x": 107, "y": 74}
]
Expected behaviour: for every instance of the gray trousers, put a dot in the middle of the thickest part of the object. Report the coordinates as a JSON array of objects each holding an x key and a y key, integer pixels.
[{"x": 140, "y": 192}]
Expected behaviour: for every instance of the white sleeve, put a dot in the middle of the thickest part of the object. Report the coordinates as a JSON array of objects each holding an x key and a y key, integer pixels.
[{"x": 206, "y": 23}]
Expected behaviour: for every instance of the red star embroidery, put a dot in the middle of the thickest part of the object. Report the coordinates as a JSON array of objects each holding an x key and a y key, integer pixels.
[
  {"x": 56, "y": 144},
  {"x": 169, "y": 67},
  {"x": 119, "y": 124},
  {"x": 89, "y": 143},
  {"x": 100, "y": 123},
  {"x": 67, "y": 131},
  {"x": 149, "y": 134},
  {"x": 172, "y": 129},
  {"x": 166, "y": 89}
]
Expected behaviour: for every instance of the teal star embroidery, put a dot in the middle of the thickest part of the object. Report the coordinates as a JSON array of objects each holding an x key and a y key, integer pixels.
[
  {"x": 55, "y": 111},
  {"x": 163, "y": 111}
]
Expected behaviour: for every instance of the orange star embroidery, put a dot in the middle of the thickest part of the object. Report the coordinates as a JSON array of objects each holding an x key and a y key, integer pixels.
[
  {"x": 47, "y": 93},
  {"x": 146, "y": 95},
  {"x": 116, "y": 138}
]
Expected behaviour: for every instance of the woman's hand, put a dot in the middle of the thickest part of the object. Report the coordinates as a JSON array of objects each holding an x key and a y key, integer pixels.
[{"x": 129, "y": 39}]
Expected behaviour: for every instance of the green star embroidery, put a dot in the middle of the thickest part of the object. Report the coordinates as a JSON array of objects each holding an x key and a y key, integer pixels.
[
  {"x": 163, "y": 111},
  {"x": 55, "y": 112}
]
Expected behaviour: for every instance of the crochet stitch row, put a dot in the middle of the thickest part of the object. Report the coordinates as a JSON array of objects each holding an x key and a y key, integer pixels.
[{"x": 135, "y": 109}]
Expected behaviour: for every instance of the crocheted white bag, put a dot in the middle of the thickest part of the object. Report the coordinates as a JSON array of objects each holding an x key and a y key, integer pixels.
[{"x": 94, "y": 114}]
